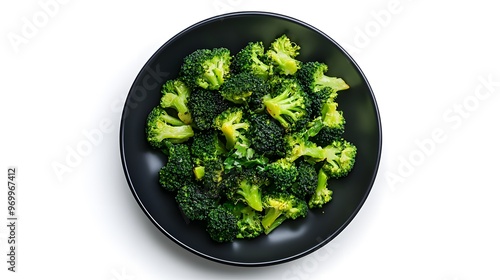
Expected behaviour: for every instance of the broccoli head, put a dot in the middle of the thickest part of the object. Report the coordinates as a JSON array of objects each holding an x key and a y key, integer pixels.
[
  {"x": 333, "y": 124},
  {"x": 161, "y": 127},
  {"x": 340, "y": 158},
  {"x": 249, "y": 225},
  {"x": 288, "y": 104},
  {"x": 244, "y": 88},
  {"x": 222, "y": 225},
  {"x": 245, "y": 185},
  {"x": 204, "y": 106},
  {"x": 280, "y": 207},
  {"x": 175, "y": 94},
  {"x": 313, "y": 76},
  {"x": 194, "y": 202},
  {"x": 252, "y": 59},
  {"x": 206, "y": 145},
  {"x": 178, "y": 169},
  {"x": 307, "y": 180},
  {"x": 282, "y": 174},
  {"x": 206, "y": 68},
  {"x": 282, "y": 54},
  {"x": 298, "y": 145},
  {"x": 232, "y": 124},
  {"x": 322, "y": 194},
  {"x": 267, "y": 135}
]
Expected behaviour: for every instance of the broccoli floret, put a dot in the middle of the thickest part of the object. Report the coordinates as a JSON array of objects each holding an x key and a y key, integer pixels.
[
  {"x": 322, "y": 194},
  {"x": 175, "y": 94},
  {"x": 282, "y": 173},
  {"x": 298, "y": 145},
  {"x": 288, "y": 104},
  {"x": 313, "y": 76},
  {"x": 206, "y": 144},
  {"x": 307, "y": 180},
  {"x": 267, "y": 135},
  {"x": 249, "y": 225},
  {"x": 206, "y": 68},
  {"x": 245, "y": 185},
  {"x": 282, "y": 54},
  {"x": 232, "y": 124},
  {"x": 161, "y": 127},
  {"x": 280, "y": 207},
  {"x": 333, "y": 124},
  {"x": 204, "y": 106},
  {"x": 194, "y": 202},
  {"x": 243, "y": 155},
  {"x": 178, "y": 169},
  {"x": 340, "y": 158},
  {"x": 252, "y": 59},
  {"x": 222, "y": 225},
  {"x": 244, "y": 88}
]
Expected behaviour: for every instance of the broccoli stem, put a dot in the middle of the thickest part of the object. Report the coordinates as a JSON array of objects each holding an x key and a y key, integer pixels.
[
  {"x": 333, "y": 82},
  {"x": 322, "y": 194},
  {"x": 270, "y": 217}
]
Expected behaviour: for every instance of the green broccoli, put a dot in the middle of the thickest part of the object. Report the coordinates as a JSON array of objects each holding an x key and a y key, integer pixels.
[
  {"x": 340, "y": 158},
  {"x": 245, "y": 185},
  {"x": 267, "y": 135},
  {"x": 322, "y": 194},
  {"x": 175, "y": 94},
  {"x": 204, "y": 106},
  {"x": 244, "y": 88},
  {"x": 298, "y": 145},
  {"x": 248, "y": 220},
  {"x": 161, "y": 127},
  {"x": 288, "y": 104},
  {"x": 222, "y": 225},
  {"x": 280, "y": 207},
  {"x": 333, "y": 124},
  {"x": 206, "y": 68},
  {"x": 282, "y": 173},
  {"x": 194, "y": 202},
  {"x": 206, "y": 144},
  {"x": 233, "y": 125},
  {"x": 307, "y": 180},
  {"x": 282, "y": 54},
  {"x": 178, "y": 169},
  {"x": 313, "y": 76},
  {"x": 252, "y": 59}
]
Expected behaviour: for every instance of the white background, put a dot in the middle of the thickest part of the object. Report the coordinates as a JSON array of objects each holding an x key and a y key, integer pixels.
[{"x": 433, "y": 213}]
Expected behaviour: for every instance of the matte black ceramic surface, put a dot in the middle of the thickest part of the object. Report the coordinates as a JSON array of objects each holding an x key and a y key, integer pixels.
[{"x": 293, "y": 239}]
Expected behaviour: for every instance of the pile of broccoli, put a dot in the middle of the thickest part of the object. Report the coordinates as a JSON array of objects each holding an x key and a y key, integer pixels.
[{"x": 252, "y": 138}]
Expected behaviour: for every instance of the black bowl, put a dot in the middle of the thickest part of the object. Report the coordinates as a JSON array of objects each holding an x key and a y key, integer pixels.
[{"x": 293, "y": 239}]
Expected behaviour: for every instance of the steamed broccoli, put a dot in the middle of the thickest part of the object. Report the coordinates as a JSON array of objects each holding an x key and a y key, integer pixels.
[
  {"x": 297, "y": 145},
  {"x": 244, "y": 88},
  {"x": 175, "y": 94},
  {"x": 194, "y": 202},
  {"x": 233, "y": 125},
  {"x": 313, "y": 76},
  {"x": 206, "y": 68},
  {"x": 222, "y": 225},
  {"x": 288, "y": 104},
  {"x": 307, "y": 180},
  {"x": 267, "y": 135},
  {"x": 282, "y": 54},
  {"x": 252, "y": 59},
  {"x": 248, "y": 220},
  {"x": 204, "y": 106},
  {"x": 160, "y": 127},
  {"x": 179, "y": 167},
  {"x": 333, "y": 124},
  {"x": 283, "y": 174},
  {"x": 322, "y": 194},
  {"x": 340, "y": 158},
  {"x": 280, "y": 207},
  {"x": 245, "y": 185}
]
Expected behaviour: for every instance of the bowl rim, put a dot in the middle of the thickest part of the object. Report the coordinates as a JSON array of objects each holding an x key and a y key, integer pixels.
[{"x": 242, "y": 14}]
